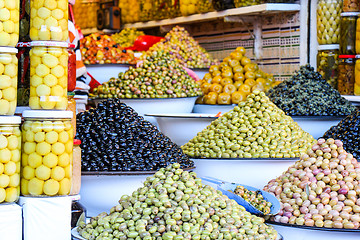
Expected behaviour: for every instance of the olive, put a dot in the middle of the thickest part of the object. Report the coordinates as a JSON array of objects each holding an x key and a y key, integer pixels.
[{"x": 206, "y": 213}]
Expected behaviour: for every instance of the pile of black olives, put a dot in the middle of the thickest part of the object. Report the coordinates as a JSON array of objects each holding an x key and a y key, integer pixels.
[
  {"x": 174, "y": 204},
  {"x": 115, "y": 138},
  {"x": 348, "y": 131},
  {"x": 306, "y": 93}
]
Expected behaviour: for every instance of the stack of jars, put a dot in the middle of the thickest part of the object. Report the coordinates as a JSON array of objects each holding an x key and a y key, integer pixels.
[
  {"x": 10, "y": 135},
  {"x": 47, "y": 132}
]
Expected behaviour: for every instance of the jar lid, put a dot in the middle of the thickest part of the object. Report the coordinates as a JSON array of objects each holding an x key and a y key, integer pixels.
[
  {"x": 349, "y": 14},
  {"x": 357, "y": 56},
  {"x": 347, "y": 56},
  {"x": 23, "y": 44},
  {"x": 77, "y": 141},
  {"x": 75, "y": 197},
  {"x": 47, "y": 114},
  {"x": 49, "y": 44},
  {"x": 10, "y": 120},
  {"x": 8, "y": 50},
  {"x": 328, "y": 46}
]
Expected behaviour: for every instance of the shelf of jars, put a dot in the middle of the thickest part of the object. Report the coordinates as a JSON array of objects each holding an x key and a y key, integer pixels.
[{"x": 269, "y": 8}]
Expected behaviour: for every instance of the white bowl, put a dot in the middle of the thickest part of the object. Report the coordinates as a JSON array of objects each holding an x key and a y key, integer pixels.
[
  {"x": 213, "y": 109},
  {"x": 200, "y": 72},
  {"x": 355, "y": 100},
  {"x": 103, "y": 72},
  {"x": 317, "y": 125},
  {"x": 181, "y": 128}
]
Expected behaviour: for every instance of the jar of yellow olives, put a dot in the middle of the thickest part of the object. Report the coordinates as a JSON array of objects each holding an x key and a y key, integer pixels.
[
  {"x": 327, "y": 63},
  {"x": 328, "y": 21},
  {"x": 49, "y": 20},
  {"x": 48, "y": 75},
  {"x": 9, "y": 22},
  {"x": 357, "y": 37},
  {"x": 10, "y": 153},
  {"x": 8, "y": 80},
  {"x": 357, "y": 76},
  {"x": 346, "y": 77},
  {"x": 47, "y": 153}
]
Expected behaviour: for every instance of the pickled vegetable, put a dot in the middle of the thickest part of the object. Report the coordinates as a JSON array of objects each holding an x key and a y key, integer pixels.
[
  {"x": 346, "y": 79},
  {"x": 49, "y": 20},
  {"x": 357, "y": 41},
  {"x": 47, "y": 157},
  {"x": 24, "y": 21},
  {"x": 48, "y": 77},
  {"x": 8, "y": 80},
  {"x": 328, "y": 21},
  {"x": 321, "y": 189},
  {"x": 188, "y": 7},
  {"x": 255, "y": 128},
  {"x": 348, "y": 33},
  {"x": 351, "y": 6},
  {"x": 308, "y": 86},
  {"x": 85, "y": 13},
  {"x": 10, "y": 153},
  {"x": 175, "y": 204},
  {"x": 233, "y": 80},
  {"x": 130, "y": 11},
  {"x": 126, "y": 37},
  {"x": 23, "y": 86},
  {"x": 357, "y": 78},
  {"x": 255, "y": 198},
  {"x": 327, "y": 65},
  {"x": 9, "y": 22},
  {"x": 244, "y": 3}
]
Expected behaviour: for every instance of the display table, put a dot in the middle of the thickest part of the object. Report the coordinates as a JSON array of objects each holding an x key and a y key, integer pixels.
[
  {"x": 294, "y": 233},
  {"x": 255, "y": 173}
]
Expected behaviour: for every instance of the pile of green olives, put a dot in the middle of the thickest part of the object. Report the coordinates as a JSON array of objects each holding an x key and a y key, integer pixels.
[
  {"x": 158, "y": 76},
  {"x": 255, "y": 128}
]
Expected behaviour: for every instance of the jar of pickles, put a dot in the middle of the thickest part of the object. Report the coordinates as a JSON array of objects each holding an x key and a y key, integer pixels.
[
  {"x": 8, "y": 80},
  {"x": 357, "y": 40},
  {"x": 328, "y": 21},
  {"x": 24, "y": 21},
  {"x": 327, "y": 63},
  {"x": 348, "y": 33},
  {"x": 71, "y": 68},
  {"x": 76, "y": 180},
  {"x": 244, "y": 3},
  {"x": 72, "y": 107},
  {"x": 351, "y": 6},
  {"x": 47, "y": 153},
  {"x": 48, "y": 75},
  {"x": 357, "y": 76},
  {"x": 9, "y": 23},
  {"x": 10, "y": 153},
  {"x": 49, "y": 20},
  {"x": 346, "y": 72}
]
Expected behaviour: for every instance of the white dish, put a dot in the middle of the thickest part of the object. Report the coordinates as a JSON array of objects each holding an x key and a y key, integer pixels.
[
  {"x": 76, "y": 235},
  {"x": 214, "y": 109},
  {"x": 182, "y": 127},
  {"x": 354, "y": 99},
  {"x": 103, "y": 72}
]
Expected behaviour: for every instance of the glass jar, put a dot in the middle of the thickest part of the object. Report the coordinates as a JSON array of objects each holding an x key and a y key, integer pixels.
[
  {"x": 76, "y": 173},
  {"x": 357, "y": 41},
  {"x": 146, "y": 10},
  {"x": 8, "y": 80},
  {"x": 23, "y": 85},
  {"x": 130, "y": 10},
  {"x": 357, "y": 76},
  {"x": 346, "y": 72},
  {"x": 348, "y": 33},
  {"x": 327, "y": 63},
  {"x": 9, "y": 22},
  {"x": 48, "y": 75},
  {"x": 351, "y": 6},
  {"x": 78, "y": 211},
  {"x": 71, "y": 68},
  {"x": 24, "y": 21},
  {"x": 72, "y": 107},
  {"x": 49, "y": 20},
  {"x": 10, "y": 154},
  {"x": 47, "y": 153},
  {"x": 328, "y": 21}
]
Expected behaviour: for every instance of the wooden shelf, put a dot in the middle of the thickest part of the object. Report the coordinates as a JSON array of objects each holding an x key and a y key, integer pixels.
[{"x": 269, "y": 8}]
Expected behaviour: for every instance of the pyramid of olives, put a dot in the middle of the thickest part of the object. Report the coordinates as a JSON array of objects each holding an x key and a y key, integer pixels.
[
  {"x": 174, "y": 204},
  {"x": 157, "y": 76},
  {"x": 184, "y": 49},
  {"x": 321, "y": 189},
  {"x": 255, "y": 128},
  {"x": 233, "y": 80}
]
